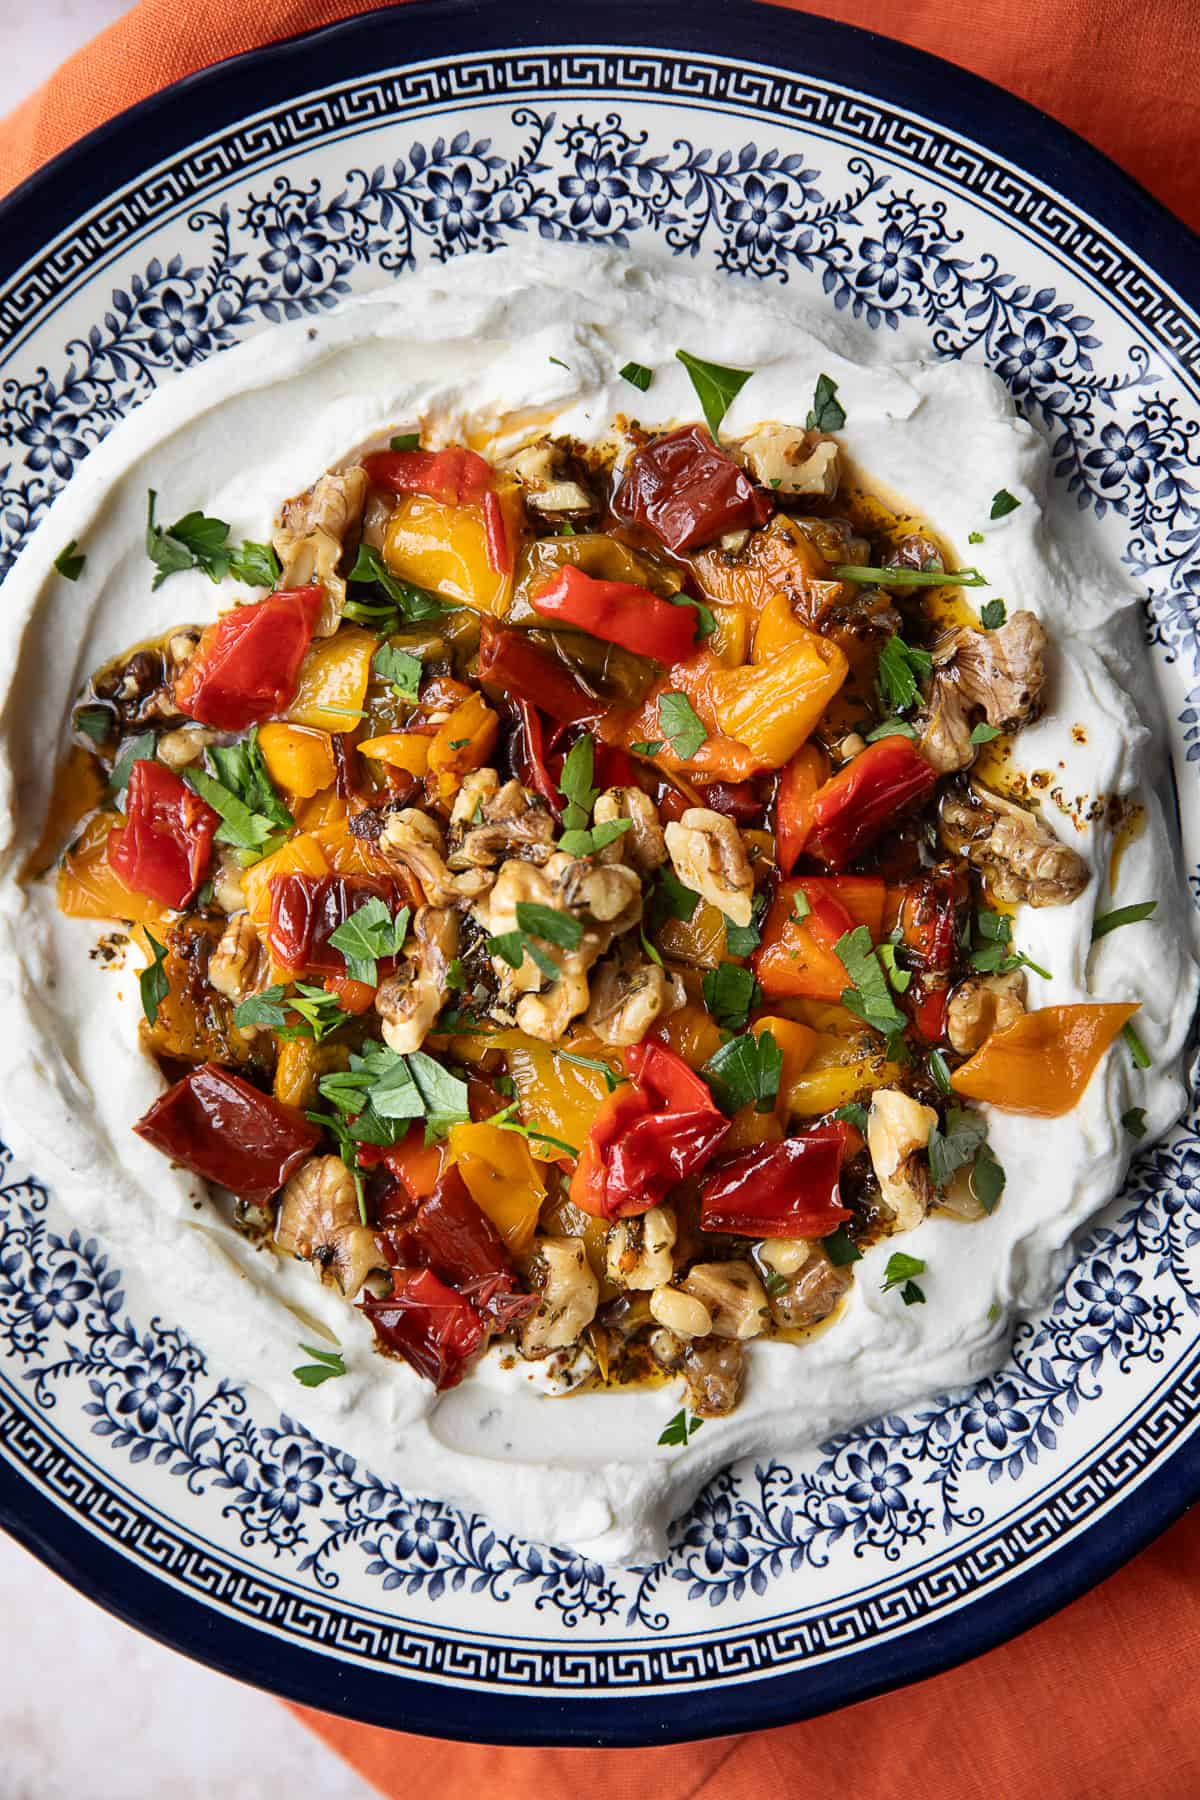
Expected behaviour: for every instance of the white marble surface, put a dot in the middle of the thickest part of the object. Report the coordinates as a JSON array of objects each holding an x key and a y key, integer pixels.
[{"x": 90, "y": 1710}]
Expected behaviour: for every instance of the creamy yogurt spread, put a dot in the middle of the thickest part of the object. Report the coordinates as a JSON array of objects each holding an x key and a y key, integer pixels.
[{"x": 479, "y": 352}]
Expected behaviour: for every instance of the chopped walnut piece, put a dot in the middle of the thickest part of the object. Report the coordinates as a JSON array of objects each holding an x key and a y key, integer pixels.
[
  {"x": 1018, "y": 854},
  {"x": 898, "y": 1130},
  {"x": 560, "y": 1269},
  {"x": 999, "y": 673},
  {"x": 708, "y": 855},
  {"x": 733, "y": 1295},
  {"x": 319, "y": 1221},
  {"x": 791, "y": 461},
  {"x": 982, "y": 1004},
  {"x": 312, "y": 534},
  {"x": 643, "y": 844},
  {"x": 409, "y": 1000},
  {"x": 233, "y": 965}
]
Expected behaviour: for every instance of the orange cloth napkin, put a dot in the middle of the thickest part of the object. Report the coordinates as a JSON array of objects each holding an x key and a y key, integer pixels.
[{"x": 1100, "y": 1700}]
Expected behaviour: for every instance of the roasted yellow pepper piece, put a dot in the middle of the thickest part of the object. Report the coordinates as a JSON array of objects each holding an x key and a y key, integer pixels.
[
  {"x": 299, "y": 759},
  {"x": 333, "y": 681},
  {"x": 444, "y": 548},
  {"x": 502, "y": 1179}
]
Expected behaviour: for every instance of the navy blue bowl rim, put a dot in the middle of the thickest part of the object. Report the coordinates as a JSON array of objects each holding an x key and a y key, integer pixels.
[{"x": 165, "y": 124}]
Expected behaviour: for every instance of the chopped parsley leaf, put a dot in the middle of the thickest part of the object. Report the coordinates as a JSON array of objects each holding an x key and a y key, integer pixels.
[
  {"x": 70, "y": 562},
  {"x": 983, "y": 734},
  {"x": 955, "y": 1144},
  {"x": 902, "y": 667},
  {"x": 875, "y": 576},
  {"x": 740, "y": 940},
  {"x": 266, "y": 1009},
  {"x": 841, "y": 1249},
  {"x": 328, "y": 1365},
  {"x": 138, "y": 749},
  {"x": 94, "y": 722},
  {"x": 745, "y": 1071},
  {"x": 405, "y": 440},
  {"x": 801, "y": 905},
  {"x": 730, "y": 993},
  {"x": 775, "y": 1283},
  {"x": 868, "y": 997},
  {"x": 576, "y": 783},
  {"x": 193, "y": 542},
  {"x": 670, "y": 899},
  {"x": 854, "y": 1113},
  {"x": 679, "y": 1429},
  {"x": 716, "y": 387},
  {"x": 369, "y": 933},
  {"x": 900, "y": 1271},
  {"x": 940, "y": 1070},
  {"x": 400, "y": 669},
  {"x": 235, "y": 783},
  {"x": 255, "y": 564},
  {"x": 826, "y": 412},
  {"x": 637, "y": 375},
  {"x": 587, "y": 843},
  {"x": 549, "y": 924},
  {"x": 1134, "y": 1121},
  {"x": 680, "y": 725},
  {"x": 993, "y": 615},
  {"x": 647, "y": 747},
  {"x": 1141, "y": 1056},
  {"x": 974, "y": 537},
  {"x": 152, "y": 982},
  {"x": 404, "y": 600},
  {"x": 891, "y": 728},
  {"x": 1002, "y": 504}
]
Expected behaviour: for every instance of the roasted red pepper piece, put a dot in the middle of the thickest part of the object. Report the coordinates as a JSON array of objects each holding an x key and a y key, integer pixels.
[
  {"x": 535, "y": 768},
  {"x": 221, "y": 1128},
  {"x": 736, "y": 799},
  {"x": 687, "y": 492},
  {"x": 246, "y": 665},
  {"x": 463, "y": 1248},
  {"x": 163, "y": 848},
  {"x": 509, "y": 662},
  {"x": 866, "y": 797},
  {"x": 495, "y": 531},
  {"x": 620, "y": 613},
  {"x": 799, "y": 782},
  {"x": 927, "y": 923},
  {"x": 307, "y": 909},
  {"x": 644, "y": 1139},
  {"x": 431, "y": 1326},
  {"x": 789, "y": 1189},
  {"x": 454, "y": 476}
]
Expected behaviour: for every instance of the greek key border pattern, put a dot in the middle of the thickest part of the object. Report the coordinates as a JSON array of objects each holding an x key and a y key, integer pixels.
[
  {"x": 774, "y": 95},
  {"x": 315, "y": 1622}
]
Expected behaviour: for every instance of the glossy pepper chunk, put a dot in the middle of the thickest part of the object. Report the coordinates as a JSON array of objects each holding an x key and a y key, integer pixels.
[
  {"x": 789, "y": 1189},
  {"x": 307, "y": 909},
  {"x": 927, "y": 924},
  {"x": 165, "y": 845},
  {"x": 221, "y": 1128},
  {"x": 646, "y": 1138},
  {"x": 1043, "y": 1061},
  {"x": 509, "y": 662},
  {"x": 796, "y": 957},
  {"x": 463, "y": 1247},
  {"x": 454, "y": 476},
  {"x": 799, "y": 782},
  {"x": 247, "y": 664},
  {"x": 428, "y": 1324},
  {"x": 620, "y": 613},
  {"x": 687, "y": 492},
  {"x": 861, "y": 801}
]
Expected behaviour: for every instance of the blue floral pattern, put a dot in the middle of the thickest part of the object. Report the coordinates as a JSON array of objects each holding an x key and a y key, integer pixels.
[{"x": 1121, "y": 445}]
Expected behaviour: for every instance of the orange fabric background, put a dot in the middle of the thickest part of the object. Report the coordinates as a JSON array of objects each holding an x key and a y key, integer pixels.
[{"x": 1099, "y": 1701}]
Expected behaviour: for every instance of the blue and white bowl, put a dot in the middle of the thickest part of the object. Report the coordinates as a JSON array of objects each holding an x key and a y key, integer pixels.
[{"x": 777, "y": 148}]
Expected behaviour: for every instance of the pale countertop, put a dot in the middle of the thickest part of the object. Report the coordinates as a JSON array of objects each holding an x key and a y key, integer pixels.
[{"x": 90, "y": 1710}]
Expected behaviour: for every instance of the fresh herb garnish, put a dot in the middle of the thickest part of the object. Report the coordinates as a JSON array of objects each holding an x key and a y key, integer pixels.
[
  {"x": 559, "y": 363},
  {"x": 576, "y": 784},
  {"x": 1124, "y": 915},
  {"x": 996, "y": 955},
  {"x": 992, "y": 615},
  {"x": 405, "y": 440},
  {"x": 138, "y": 749},
  {"x": 94, "y": 722},
  {"x": 651, "y": 950},
  {"x": 647, "y": 747},
  {"x": 775, "y": 1283},
  {"x": 329, "y": 1364},
  {"x": 611, "y": 1081},
  {"x": 867, "y": 997},
  {"x": 902, "y": 667},
  {"x": 740, "y": 940},
  {"x": 193, "y": 542},
  {"x": 716, "y": 387},
  {"x": 745, "y": 1071},
  {"x": 637, "y": 375},
  {"x": 255, "y": 564},
  {"x": 70, "y": 561},
  {"x": 854, "y": 1113},
  {"x": 504, "y": 1121},
  {"x": 549, "y": 924},
  {"x": 963, "y": 1140},
  {"x": 369, "y": 933},
  {"x": 801, "y": 905},
  {"x": 152, "y": 982},
  {"x": 236, "y": 785},
  {"x": 974, "y": 537},
  {"x": 940, "y": 1070},
  {"x": 730, "y": 993},
  {"x": 265, "y": 1009},
  {"x": 826, "y": 412},
  {"x": 987, "y": 1179},
  {"x": 902, "y": 578},
  {"x": 983, "y": 734},
  {"x": 900, "y": 1272},
  {"x": 406, "y": 600},
  {"x": 680, "y": 725},
  {"x": 841, "y": 1249},
  {"x": 587, "y": 843},
  {"x": 891, "y": 728},
  {"x": 382, "y": 1090},
  {"x": 400, "y": 669},
  {"x": 1134, "y": 1122},
  {"x": 670, "y": 899},
  {"x": 318, "y": 1011},
  {"x": 706, "y": 618},
  {"x": 1003, "y": 503},
  {"x": 681, "y": 1427},
  {"x": 1141, "y": 1056}
]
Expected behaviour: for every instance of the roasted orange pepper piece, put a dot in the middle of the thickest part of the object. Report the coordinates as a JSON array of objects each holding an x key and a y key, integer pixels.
[{"x": 1043, "y": 1061}]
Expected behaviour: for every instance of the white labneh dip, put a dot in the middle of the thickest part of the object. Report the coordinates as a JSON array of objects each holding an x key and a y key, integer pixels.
[{"x": 486, "y": 347}]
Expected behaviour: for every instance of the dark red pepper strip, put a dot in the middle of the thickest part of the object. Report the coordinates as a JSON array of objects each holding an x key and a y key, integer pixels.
[
  {"x": 433, "y": 1328},
  {"x": 687, "y": 492},
  {"x": 647, "y": 1138},
  {"x": 927, "y": 921},
  {"x": 247, "y": 664},
  {"x": 307, "y": 909},
  {"x": 165, "y": 845},
  {"x": 531, "y": 758},
  {"x": 464, "y": 1249},
  {"x": 499, "y": 550},
  {"x": 789, "y": 1189},
  {"x": 221, "y": 1128},
  {"x": 509, "y": 662},
  {"x": 864, "y": 799},
  {"x": 619, "y": 613}
]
